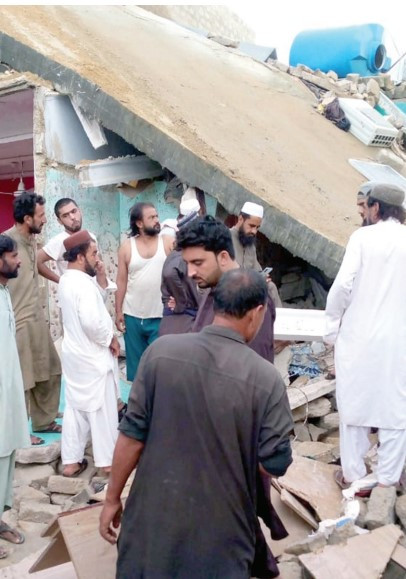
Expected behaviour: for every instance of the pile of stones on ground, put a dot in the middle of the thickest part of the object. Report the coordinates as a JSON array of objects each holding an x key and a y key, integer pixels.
[{"x": 41, "y": 492}]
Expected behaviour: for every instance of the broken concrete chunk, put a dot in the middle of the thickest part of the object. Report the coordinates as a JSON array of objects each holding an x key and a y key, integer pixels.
[
  {"x": 373, "y": 88},
  {"x": 290, "y": 570},
  {"x": 319, "y": 408},
  {"x": 29, "y": 494},
  {"x": 381, "y": 507},
  {"x": 329, "y": 422},
  {"x": 83, "y": 496},
  {"x": 66, "y": 485},
  {"x": 301, "y": 432},
  {"x": 27, "y": 474},
  {"x": 342, "y": 534},
  {"x": 310, "y": 545},
  {"x": 59, "y": 498},
  {"x": 38, "y": 512},
  {"x": 400, "y": 508},
  {"x": 317, "y": 433},
  {"x": 317, "y": 451},
  {"x": 39, "y": 454}
]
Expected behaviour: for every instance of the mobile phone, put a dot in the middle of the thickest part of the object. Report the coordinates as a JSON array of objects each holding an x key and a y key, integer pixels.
[{"x": 267, "y": 270}]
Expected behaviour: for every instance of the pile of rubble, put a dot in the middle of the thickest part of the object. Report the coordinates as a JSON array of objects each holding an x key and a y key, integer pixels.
[
  {"x": 354, "y": 85},
  {"x": 368, "y": 543}
]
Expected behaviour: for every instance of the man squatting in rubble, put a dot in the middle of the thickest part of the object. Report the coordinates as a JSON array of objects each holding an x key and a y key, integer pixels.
[
  {"x": 366, "y": 320},
  {"x": 204, "y": 410}
]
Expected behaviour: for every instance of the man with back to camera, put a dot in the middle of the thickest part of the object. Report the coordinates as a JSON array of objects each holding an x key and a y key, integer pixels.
[
  {"x": 208, "y": 250},
  {"x": 138, "y": 298},
  {"x": 13, "y": 415},
  {"x": 40, "y": 364},
  {"x": 203, "y": 410},
  {"x": 176, "y": 286},
  {"x": 366, "y": 320}
]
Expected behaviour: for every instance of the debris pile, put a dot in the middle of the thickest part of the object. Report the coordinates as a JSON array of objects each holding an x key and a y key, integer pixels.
[{"x": 354, "y": 538}]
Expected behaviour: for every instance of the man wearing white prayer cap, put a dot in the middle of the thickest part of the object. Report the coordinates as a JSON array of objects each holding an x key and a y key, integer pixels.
[{"x": 244, "y": 235}]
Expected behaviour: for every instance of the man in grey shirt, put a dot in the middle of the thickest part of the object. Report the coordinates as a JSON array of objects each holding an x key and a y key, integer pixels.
[{"x": 203, "y": 411}]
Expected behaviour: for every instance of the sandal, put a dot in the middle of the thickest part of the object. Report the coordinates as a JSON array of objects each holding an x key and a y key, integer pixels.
[
  {"x": 343, "y": 484},
  {"x": 82, "y": 467},
  {"x": 51, "y": 428},
  {"x": 4, "y": 529},
  {"x": 37, "y": 439}
]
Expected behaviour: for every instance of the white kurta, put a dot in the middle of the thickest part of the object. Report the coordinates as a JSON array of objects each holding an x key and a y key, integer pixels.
[
  {"x": 88, "y": 331},
  {"x": 366, "y": 319}
]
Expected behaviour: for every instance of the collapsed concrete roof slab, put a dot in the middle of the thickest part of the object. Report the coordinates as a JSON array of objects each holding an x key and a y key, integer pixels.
[{"x": 217, "y": 119}]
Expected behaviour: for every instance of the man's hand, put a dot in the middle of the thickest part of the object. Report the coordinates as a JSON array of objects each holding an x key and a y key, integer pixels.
[
  {"x": 110, "y": 518},
  {"x": 115, "y": 347},
  {"x": 120, "y": 324},
  {"x": 171, "y": 303}
]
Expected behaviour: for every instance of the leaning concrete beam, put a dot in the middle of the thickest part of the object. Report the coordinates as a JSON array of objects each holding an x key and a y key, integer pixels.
[
  {"x": 112, "y": 171},
  {"x": 279, "y": 227}
]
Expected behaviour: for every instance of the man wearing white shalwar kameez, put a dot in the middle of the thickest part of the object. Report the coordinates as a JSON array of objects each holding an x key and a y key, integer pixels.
[
  {"x": 89, "y": 352},
  {"x": 366, "y": 320}
]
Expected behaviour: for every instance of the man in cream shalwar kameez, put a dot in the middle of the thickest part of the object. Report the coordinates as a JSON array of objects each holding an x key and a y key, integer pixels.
[
  {"x": 366, "y": 319},
  {"x": 89, "y": 348},
  {"x": 13, "y": 416}
]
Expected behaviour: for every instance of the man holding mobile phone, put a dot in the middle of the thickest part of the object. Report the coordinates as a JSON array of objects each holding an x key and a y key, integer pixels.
[{"x": 244, "y": 235}]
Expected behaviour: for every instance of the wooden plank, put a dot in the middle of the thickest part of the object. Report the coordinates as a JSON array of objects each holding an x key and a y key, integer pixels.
[
  {"x": 311, "y": 391},
  {"x": 297, "y": 528},
  {"x": 362, "y": 557},
  {"x": 293, "y": 503},
  {"x": 91, "y": 555},
  {"x": 65, "y": 571},
  {"x": 55, "y": 553},
  {"x": 314, "y": 482}
]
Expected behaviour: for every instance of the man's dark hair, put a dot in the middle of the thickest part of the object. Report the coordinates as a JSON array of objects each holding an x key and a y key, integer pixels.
[
  {"x": 7, "y": 245},
  {"x": 25, "y": 204},
  {"x": 239, "y": 291},
  {"x": 71, "y": 255},
  {"x": 386, "y": 211},
  {"x": 136, "y": 214},
  {"x": 60, "y": 204},
  {"x": 206, "y": 232}
]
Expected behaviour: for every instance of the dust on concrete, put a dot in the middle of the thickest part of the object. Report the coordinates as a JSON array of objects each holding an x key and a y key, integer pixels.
[{"x": 257, "y": 126}]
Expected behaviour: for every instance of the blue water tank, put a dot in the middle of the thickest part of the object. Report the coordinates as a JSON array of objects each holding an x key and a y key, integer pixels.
[{"x": 350, "y": 49}]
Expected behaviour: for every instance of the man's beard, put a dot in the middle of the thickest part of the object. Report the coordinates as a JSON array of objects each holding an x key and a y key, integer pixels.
[
  {"x": 74, "y": 228},
  {"x": 245, "y": 240},
  {"x": 89, "y": 269},
  {"x": 8, "y": 272},
  {"x": 152, "y": 231},
  {"x": 34, "y": 229}
]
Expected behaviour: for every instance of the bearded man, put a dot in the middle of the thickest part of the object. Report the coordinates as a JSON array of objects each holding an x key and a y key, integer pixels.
[
  {"x": 139, "y": 306},
  {"x": 244, "y": 235},
  {"x": 89, "y": 349},
  {"x": 40, "y": 364}
]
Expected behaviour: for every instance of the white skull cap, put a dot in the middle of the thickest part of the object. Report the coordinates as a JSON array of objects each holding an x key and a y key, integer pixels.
[
  {"x": 188, "y": 206},
  {"x": 253, "y": 209}
]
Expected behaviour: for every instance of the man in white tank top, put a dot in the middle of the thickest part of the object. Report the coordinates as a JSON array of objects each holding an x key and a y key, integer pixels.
[{"x": 138, "y": 298}]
